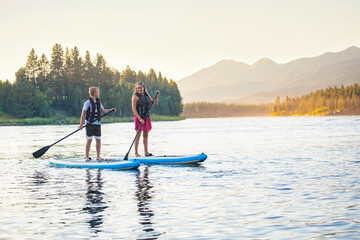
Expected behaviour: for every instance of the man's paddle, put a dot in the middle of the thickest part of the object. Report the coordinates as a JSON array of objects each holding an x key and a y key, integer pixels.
[
  {"x": 43, "y": 150},
  {"x": 146, "y": 115}
]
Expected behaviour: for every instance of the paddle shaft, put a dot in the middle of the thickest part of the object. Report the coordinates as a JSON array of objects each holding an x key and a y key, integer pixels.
[
  {"x": 42, "y": 151},
  {"x": 96, "y": 119},
  {"x": 146, "y": 115}
]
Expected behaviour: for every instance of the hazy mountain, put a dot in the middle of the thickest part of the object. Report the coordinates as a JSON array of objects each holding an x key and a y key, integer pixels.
[{"x": 261, "y": 82}]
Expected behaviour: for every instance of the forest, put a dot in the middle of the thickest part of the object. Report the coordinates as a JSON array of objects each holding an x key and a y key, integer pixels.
[
  {"x": 331, "y": 101},
  {"x": 208, "y": 109},
  {"x": 59, "y": 86}
]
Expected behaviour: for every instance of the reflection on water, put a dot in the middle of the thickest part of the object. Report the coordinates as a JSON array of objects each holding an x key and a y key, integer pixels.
[
  {"x": 143, "y": 195},
  {"x": 94, "y": 196},
  {"x": 265, "y": 178},
  {"x": 39, "y": 178}
]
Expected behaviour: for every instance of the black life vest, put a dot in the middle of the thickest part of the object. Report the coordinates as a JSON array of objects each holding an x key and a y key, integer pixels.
[
  {"x": 90, "y": 113},
  {"x": 143, "y": 105}
]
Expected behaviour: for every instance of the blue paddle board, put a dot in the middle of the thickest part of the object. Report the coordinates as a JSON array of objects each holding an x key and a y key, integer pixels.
[
  {"x": 79, "y": 162},
  {"x": 167, "y": 159}
]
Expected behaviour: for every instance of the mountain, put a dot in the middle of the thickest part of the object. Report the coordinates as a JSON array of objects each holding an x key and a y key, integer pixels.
[{"x": 263, "y": 81}]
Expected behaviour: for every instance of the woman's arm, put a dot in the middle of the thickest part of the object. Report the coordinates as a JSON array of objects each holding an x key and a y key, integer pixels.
[
  {"x": 134, "y": 100},
  {"x": 156, "y": 102}
]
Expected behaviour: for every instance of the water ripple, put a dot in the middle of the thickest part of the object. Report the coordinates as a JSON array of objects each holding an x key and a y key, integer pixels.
[{"x": 266, "y": 178}]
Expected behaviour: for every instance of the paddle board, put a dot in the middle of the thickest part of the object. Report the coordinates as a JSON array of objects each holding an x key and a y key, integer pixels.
[
  {"x": 79, "y": 162},
  {"x": 168, "y": 159},
  {"x": 117, "y": 162}
]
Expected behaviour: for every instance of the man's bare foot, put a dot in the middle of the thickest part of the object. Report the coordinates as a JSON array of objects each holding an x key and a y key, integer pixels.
[
  {"x": 137, "y": 155},
  {"x": 87, "y": 159},
  {"x": 99, "y": 158}
]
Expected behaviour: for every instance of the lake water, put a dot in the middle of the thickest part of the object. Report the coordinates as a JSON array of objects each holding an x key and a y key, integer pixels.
[{"x": 265, "y": 178}]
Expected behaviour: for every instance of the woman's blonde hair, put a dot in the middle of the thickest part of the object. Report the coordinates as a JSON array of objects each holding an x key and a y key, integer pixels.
[
  {"x": 92, "y": 90},
  {"x": 142, "y": 84}
]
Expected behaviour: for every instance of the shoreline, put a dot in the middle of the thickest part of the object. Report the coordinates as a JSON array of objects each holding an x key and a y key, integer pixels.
[
  {"x": 154, "y": 118},
  {"x": 76, "y": 120}
]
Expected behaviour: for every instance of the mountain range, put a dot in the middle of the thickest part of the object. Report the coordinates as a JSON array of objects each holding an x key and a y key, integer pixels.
[{"x": 262, "y": 82}]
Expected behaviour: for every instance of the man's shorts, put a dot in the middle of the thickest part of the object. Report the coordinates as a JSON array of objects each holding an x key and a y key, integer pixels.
[{"x": 93, "y": 131}]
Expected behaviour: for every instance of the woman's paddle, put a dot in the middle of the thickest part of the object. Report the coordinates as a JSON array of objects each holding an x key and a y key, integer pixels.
[
  {"x": 43, "y": 150},
  {"x": 146, "y": 115}
]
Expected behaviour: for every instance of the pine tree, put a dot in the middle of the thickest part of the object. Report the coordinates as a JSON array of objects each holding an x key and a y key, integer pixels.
[
  {"x": 43, "y": 73},
  {"x": 88, "y": 71},
  {"x": 77, "y": 68},
  {"x": 32, "y": 67},
  {"x": 57, "y": 76}
]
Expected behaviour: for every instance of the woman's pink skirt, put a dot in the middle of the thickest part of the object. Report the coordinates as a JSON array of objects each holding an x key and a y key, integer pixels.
[{"x": 146, "y": 127}]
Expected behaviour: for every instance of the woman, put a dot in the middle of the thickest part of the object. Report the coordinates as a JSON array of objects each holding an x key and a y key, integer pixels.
[{"x": 141, "y": 101}]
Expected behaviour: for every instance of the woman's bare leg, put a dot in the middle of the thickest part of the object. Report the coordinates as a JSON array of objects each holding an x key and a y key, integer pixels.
[
  {"x": 145, "y": 141},
  {"x": 137, "y": 145}
]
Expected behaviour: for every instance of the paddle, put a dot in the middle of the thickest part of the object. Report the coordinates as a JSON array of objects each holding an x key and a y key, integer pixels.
[
  {"x": 146, "y": 115},
  {"x": 43, "y": 150}
]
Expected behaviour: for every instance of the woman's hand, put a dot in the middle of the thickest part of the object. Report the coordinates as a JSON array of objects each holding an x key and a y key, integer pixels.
[
  {"x": 142, "y": 121},
  {"x": 156, "y": 100},
  {"x": 113, "y": 109}
]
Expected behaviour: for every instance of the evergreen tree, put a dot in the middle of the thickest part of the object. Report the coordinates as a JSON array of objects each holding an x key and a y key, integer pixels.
[
  {"x": 5, "y": 96},
  {"x": 57, "y": 76},
  {"x": 129, "y": 76},
  {"x": 88, "y": 71},
  {"x": 43, "y": 74},
  {"x": 22, "y": 97},
  {"x": 32, "y": 67},
  {"x": 77, "y": 69},
  {"x": 57, "y": 61}
]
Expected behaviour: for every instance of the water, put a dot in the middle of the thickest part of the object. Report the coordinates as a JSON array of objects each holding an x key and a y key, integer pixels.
[{"x": 265, "y": 178}]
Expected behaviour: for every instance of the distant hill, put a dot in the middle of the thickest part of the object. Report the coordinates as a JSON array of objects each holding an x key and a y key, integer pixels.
[{"x": 263, "y": 81}]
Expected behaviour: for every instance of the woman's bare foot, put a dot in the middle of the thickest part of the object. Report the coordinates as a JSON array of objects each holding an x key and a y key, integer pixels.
[
  {"x": 137, "y": 155},
  {"x": 87, "y": 159},
  {"x": 99, "y": 158}
]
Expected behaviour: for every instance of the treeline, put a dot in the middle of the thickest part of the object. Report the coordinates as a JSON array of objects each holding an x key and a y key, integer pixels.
[
  {"x": 45, "y": 87},
  {"x": 207, "y": 109},
  {"x": 331, "y": 101}
]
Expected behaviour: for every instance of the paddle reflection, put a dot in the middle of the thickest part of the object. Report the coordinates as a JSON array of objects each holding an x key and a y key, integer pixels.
[
  {"x": 143, "y": 195},
  {"x": 94, "y": 204}
]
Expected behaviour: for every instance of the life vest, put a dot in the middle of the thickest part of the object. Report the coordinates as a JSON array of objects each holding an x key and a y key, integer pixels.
[
  {"x": 90, "y": 113},
  {"x": 143, "y": 105}
]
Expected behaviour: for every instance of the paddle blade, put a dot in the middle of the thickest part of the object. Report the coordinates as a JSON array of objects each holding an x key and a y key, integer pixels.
[
  {"x": 41, "y": 152},
  {"x": 126, "y": 156}
]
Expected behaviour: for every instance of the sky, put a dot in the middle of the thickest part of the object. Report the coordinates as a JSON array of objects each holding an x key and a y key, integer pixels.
[{"x": 176, "y": 38}]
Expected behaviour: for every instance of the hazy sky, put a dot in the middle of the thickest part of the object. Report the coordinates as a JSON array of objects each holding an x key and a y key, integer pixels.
[{"x": 179, "y": 37}]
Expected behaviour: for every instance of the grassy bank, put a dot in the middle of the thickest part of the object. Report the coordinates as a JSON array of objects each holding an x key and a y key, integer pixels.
[{"x": 9, "y": 120}]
